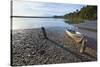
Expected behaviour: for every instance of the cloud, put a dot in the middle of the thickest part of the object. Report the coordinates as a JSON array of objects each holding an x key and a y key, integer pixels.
[{"x": 27, "y": 8}]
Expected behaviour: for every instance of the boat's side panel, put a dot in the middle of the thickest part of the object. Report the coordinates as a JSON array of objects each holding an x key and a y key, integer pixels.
[{"x": 75, "y": 37}]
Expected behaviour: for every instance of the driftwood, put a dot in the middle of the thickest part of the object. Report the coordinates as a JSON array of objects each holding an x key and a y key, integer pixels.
[{"x": 44, "y": 32}]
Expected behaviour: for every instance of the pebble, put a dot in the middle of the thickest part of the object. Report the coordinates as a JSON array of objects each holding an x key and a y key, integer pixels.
[{"x": 42, "y": 51}]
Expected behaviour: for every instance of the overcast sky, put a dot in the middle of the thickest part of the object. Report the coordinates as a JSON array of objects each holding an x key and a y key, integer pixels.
[{"x": 28, "y": 8}]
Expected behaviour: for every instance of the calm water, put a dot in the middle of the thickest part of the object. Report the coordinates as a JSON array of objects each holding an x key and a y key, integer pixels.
[{"x": 28, "y": 23}]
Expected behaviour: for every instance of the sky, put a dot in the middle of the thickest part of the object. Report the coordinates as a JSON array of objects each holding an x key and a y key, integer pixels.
[{"x": 28, "y": 8}]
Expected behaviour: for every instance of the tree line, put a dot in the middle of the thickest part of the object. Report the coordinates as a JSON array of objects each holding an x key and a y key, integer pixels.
[{"x": 85, "y": 13}]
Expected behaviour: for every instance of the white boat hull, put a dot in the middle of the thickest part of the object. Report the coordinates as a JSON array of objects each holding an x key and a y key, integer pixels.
[{"x": 77, "y": 36}]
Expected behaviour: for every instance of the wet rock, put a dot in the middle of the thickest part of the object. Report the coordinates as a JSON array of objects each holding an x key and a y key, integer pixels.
[{"x": 42, "y": 52}]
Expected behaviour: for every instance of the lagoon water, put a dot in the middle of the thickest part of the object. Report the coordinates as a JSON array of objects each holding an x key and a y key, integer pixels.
[{"x": 29, "y": 23}]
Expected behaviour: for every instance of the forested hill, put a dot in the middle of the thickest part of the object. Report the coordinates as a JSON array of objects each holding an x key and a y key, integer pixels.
[{"x": 86, "y": 13}]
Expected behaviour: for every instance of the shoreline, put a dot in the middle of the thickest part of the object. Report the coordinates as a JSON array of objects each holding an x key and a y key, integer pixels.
[
  {"x": 88, "y": 25},
  {"x": 30, "y": 48}
]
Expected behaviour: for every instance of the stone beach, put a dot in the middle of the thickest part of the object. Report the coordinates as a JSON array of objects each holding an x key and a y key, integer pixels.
[{"x": 29, "y": 47}]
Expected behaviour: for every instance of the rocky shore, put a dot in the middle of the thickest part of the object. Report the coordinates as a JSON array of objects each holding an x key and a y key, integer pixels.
[{"x": 29, "y": 47}]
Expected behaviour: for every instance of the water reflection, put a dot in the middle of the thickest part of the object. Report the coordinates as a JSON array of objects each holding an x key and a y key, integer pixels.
[{"x": 27, "y": 23}]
